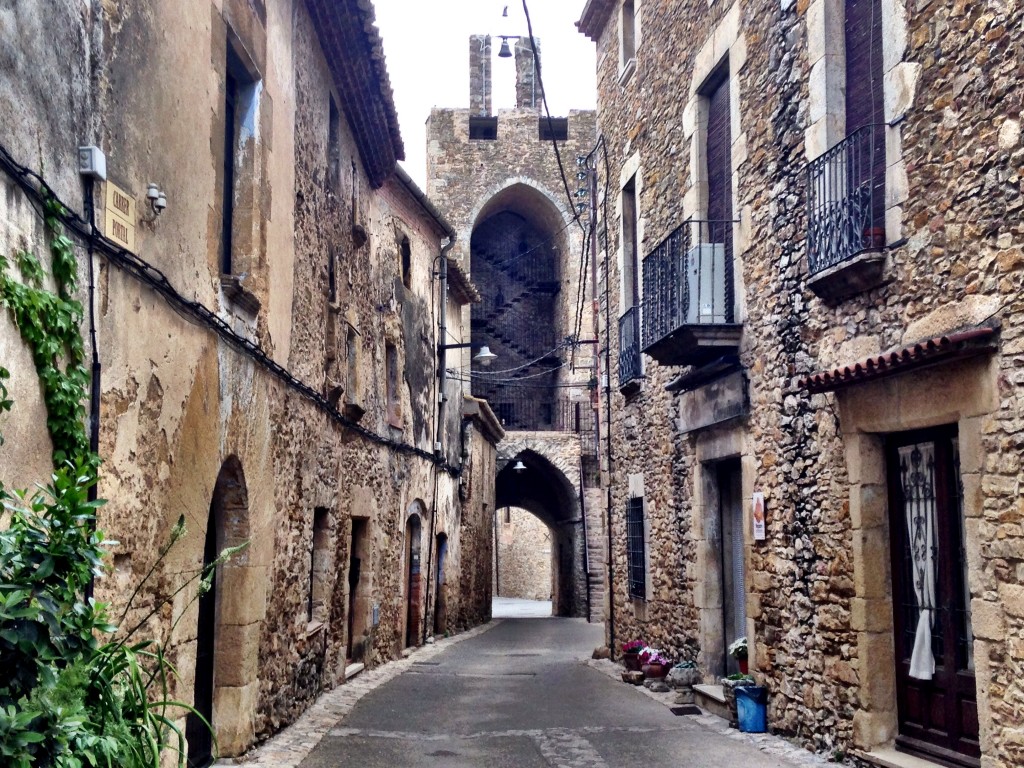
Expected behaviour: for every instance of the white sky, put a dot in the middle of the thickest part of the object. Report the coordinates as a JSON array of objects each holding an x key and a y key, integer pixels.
[{"x": 427, "y": 50}]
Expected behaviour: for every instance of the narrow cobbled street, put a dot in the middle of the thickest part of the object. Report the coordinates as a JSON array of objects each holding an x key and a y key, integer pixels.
[{"x": 521, "y": 693}]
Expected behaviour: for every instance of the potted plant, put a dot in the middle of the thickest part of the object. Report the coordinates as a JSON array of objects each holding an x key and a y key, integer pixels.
[
  {"x": 654, "y": 664},
  {"x": 631, "y": 654},
  {"x": 738, "y": 650}
]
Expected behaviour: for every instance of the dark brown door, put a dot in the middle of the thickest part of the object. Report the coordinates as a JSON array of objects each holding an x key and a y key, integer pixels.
[{"x": 935, "y": 685}]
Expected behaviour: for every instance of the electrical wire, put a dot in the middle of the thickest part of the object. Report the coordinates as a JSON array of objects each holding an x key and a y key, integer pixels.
[{"x": 196, "y": 312}]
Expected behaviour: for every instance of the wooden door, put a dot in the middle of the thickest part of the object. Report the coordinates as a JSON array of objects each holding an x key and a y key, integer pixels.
[
  {"x": 935, "y": 682},
  {"x": 734, "y": 591}
]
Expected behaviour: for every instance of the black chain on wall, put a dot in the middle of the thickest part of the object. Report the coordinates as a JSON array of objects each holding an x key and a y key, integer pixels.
[{"x": 38, "y": 190}]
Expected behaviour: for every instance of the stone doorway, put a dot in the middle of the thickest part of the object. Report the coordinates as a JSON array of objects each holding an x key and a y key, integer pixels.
[
  {"x": 724, "y": 615},
  {"x": 358, "y": 590},
  {"x": 413, "y": 580},
  {"x": 936, "y": 693},
  {"x": 221, "y": 677}
]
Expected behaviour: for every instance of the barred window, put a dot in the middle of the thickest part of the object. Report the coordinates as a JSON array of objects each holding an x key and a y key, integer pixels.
[{"x": 635, "y": 553}]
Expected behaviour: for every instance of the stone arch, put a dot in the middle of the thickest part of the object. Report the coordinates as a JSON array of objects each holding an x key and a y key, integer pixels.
[
  {"x": 545, "y": 490},
  {"x": 225, "y": 684},
  {"x": 519, "y": 248},
  {"x": 506, "y": 193}
]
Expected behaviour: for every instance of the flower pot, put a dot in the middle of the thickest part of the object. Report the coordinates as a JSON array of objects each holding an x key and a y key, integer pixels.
[
  {"x": 655, "y": 671},
  {"x": 632, "y": 661}
]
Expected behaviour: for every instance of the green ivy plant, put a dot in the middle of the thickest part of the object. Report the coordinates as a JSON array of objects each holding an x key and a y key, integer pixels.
[{"x": 74, "y": 691}]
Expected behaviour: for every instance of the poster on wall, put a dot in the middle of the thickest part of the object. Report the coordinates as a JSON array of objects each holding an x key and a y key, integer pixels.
[{"x": 758, "y": 516}]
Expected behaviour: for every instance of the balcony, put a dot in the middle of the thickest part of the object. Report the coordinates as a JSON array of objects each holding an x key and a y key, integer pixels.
[
  {"x": 629, "y": 348},
  {"x": 846, "y": 215},
  {"x": 689, "y": 306}
]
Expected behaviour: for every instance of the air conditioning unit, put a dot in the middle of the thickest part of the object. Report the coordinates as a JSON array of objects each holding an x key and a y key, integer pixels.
[{"x": 705, "y": 281}]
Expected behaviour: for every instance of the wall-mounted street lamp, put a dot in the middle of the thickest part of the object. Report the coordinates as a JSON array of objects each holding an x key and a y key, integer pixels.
[{"x": 485, "y": 357}]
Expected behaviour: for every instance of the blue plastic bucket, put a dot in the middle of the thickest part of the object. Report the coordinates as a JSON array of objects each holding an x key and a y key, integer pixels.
[{"x": 752, "y": 708}]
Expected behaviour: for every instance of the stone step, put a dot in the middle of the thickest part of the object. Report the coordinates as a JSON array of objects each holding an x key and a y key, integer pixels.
[{"x": 711, "y": 698}]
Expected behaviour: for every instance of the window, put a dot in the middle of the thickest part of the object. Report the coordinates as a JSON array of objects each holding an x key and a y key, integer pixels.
[
  {"x": 352, "y": 354},
  {"x": 332, "y": 275},
  {"x": 483, "y": 128},
  {"x": 240, "y": 96},
  {"x": 394, "y": 400},
  {"x": 333, "y": 147},
  {"x": 406, "y": 252},
  {"x": 320, "y": 568},
  {"x": 628, "y": 32},
  {"x": 864, "y": 103},
  {"x": 630, "y": 247},
  {"x": 635, "y": 548},
  {"x": 718, "y": 148},
  {"x": 555, "y": 129}
]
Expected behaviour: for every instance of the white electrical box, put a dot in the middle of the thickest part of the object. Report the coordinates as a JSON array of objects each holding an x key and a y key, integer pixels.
[{"x": 92, "y": 163}]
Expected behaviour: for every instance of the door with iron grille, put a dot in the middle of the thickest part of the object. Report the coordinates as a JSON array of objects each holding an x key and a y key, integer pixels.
[{"x": 935, "y": 681}]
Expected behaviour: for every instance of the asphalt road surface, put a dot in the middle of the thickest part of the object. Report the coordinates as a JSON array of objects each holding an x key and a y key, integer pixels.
[{"x": 522, "y": 696}]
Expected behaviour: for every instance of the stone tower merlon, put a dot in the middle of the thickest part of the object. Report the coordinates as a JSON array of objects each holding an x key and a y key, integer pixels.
[
  {"x": 528, "y": 86},
  {"x": 480, "y": 75}
]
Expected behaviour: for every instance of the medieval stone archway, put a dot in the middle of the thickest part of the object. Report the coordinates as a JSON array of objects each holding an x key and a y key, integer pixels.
[
  {"x": 544, "y": 489},
  {"x": 228, "y": 627}
]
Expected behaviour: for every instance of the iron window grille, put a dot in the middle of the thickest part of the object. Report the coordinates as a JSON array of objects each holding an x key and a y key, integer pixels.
[
  {"x": 688, "y": 279},
  {"x": 845, "y": 199},
  {"x": 635, "y": 549},
  {"x": 629, "y": 346}
]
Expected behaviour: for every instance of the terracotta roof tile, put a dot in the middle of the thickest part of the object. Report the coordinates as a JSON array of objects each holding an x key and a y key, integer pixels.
[
  {"x": 355, "y": 55},
  {"x": 923, "y": 353}
]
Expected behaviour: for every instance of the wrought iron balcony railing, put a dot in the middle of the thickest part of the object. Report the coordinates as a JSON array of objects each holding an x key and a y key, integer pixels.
[
  {"x": 846, "y": 199},
  {"x": 629, "y": 346},
  {"x": 523, "y": 411},
  {"x": 688, "y": 284}
]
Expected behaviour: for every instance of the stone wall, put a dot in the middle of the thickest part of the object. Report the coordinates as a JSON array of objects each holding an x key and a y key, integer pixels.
[
  {"x": 523, "y": 564},
  {"x": 818, "y": 599},
  {"x": 195, "y": 424}
]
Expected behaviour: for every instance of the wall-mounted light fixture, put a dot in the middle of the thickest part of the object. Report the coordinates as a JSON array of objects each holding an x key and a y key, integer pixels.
[
  {"x": 157, "y": 199},
  {"x": 519, "y": 466},
  {"x": 485, "y": 357}
]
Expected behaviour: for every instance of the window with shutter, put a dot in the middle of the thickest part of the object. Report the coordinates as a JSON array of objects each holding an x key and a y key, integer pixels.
[{"x": 865, "y": 94}]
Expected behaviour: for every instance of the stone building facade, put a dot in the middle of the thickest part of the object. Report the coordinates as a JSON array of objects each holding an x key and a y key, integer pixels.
[
  {"x": 813, "y": 263},
  {"x": 496, "y": 177},
  {"x": 269, "y": 341}
]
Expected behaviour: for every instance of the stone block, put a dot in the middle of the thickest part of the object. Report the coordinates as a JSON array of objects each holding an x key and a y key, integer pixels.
[
  {"x": 243, "y": 594},
  {"x": 237, "y": 655},
  {"x": 894, "y": 32},
  {"x": 987, "y": 620},
  {"x": 869, "y": 506},
  {"x": 233, "y": 718},
  {"x": 865, "y": 455},
  {"x": 900, "y": 89},
  {"x": 1012, "y": 598},
  {"x": 871, "y": 729},
  {"x": 870, "y": 615},
  {"x": 876, "y": 652},
  {"x": 871, "y": 563}
]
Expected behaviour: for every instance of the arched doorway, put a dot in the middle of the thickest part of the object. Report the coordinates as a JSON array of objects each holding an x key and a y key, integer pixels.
[
  {"x": 413, "y": 580},
  {"x": 543, "y": 490},
  {"x": 227, "y": 526}
]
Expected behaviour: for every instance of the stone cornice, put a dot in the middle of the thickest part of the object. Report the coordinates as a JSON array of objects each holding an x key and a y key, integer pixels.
[
  {"x": 480, "y": 411},
  {"x": 355, "y": 55}
]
